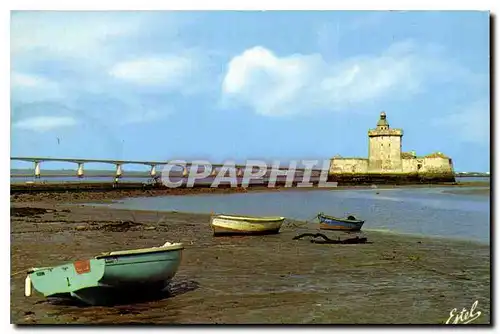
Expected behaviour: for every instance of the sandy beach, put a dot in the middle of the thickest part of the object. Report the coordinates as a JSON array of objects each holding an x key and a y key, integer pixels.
[{"x": 393, "y": 279}]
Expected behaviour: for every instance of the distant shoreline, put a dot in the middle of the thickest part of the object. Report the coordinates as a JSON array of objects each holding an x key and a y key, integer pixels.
[
  {"x": 19, "y": 172},
  {"x": 103, "y": 195}
]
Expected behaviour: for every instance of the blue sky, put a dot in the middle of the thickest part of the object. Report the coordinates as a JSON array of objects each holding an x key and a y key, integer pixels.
[{"x": 248, "y": 85}]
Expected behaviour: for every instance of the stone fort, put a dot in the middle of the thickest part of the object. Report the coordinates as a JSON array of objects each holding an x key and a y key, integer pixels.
[{"x": 385, "y": 156}]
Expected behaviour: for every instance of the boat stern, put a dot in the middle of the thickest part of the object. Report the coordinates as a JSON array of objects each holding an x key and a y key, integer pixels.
[{"x": 65, "y": 278}]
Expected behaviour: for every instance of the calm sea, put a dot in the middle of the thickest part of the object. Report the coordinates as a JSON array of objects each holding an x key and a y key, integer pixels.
[
  {"x": 423, "y": 211},
  {"x": 427, "y": 211}
]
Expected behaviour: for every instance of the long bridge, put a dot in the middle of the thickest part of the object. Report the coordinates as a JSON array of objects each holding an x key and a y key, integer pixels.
[{"x": 37, "y": 161}]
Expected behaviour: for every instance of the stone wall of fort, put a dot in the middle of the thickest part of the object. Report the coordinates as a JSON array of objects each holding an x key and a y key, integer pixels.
[
  {"x": 433, "y": 164},
  {"x": 348, "y": 165},
  {"x": 436, "y": 163},
  {"x": 412, "y": 165}
]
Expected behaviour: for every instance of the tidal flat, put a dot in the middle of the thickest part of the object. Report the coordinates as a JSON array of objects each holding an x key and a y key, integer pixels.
[
  {"x": 393, "y": 279},
  {"x": 484, "y": 191}
]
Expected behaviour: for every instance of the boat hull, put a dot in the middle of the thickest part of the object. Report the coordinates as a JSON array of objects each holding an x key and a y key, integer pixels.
[
  {"x": 109, "y": 277},
  {"x": 228, "y": 225},
  {"x": 330, "y": 223},
  {"x": 140, "y": 269},
  {"x": 109, "y": 295}
]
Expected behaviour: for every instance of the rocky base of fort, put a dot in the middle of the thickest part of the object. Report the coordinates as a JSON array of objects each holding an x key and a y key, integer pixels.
[{"x": 347, "y": 179}]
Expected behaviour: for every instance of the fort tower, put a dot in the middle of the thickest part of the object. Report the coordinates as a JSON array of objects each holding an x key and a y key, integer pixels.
[
  {"x": 384, "y": 148},
  {"x": 386, "y": 157}
]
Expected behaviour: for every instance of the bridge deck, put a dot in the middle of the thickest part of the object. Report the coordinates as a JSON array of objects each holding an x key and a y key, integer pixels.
[{"x": 122, "y": 162}]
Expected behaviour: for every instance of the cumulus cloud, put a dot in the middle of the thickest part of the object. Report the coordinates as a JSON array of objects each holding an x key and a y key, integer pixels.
[
  {"x": 45, "y": 123},
  {"x": 281, "y": 85}
]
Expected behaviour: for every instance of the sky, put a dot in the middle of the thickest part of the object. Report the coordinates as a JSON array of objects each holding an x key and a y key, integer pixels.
[{"x": 235, "y": 85}]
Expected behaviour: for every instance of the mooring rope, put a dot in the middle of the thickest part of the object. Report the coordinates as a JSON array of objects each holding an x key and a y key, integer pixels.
[
  {"x": 326, "y": 240},
  {"x": 19, "y": 272},
  {"x": 297, "y": 225}
]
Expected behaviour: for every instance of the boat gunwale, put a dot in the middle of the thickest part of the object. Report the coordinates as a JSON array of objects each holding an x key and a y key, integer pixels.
[
  {"x": 141, "y": 251},
  {"x": 35, "y": 269},
  {"x": 250, "y": 218},
  {"x": 343, "y": 220}
]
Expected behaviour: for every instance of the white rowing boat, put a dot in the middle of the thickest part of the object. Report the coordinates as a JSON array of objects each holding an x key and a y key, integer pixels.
[{"x": 228, "y": 224}]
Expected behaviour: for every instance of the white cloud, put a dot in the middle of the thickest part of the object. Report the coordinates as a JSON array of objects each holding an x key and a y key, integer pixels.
[
  {"x": 85, "y": 61},
  {"x": 44, "y": 123},
  {"x": 32, "y": 88},
  {"x": 468, "y": 124},
  {"x": 274, "y": 85},
  {"x": 24, "y": 80},
  {"x": 257, "y": 77},
  {"x": 77, "y": 34},
  {"x": 167, "y": 71}
]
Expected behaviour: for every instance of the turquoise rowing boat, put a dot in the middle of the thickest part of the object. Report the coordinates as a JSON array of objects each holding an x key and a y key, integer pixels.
[
  {"x": 103, "y": 279},
  {"x": 335, "y": 223}
]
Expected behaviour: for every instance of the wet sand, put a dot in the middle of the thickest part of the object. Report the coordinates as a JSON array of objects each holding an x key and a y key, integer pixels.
[
  {"x": 394, "y": 279},
  {"x": 486, "y": 191}
]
